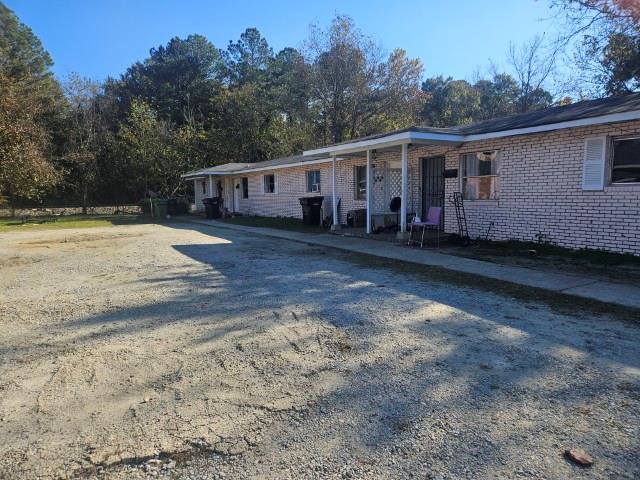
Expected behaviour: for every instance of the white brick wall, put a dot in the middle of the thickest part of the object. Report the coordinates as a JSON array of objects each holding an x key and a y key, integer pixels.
[
  {"x": 540, "y": 192},
  {"x": 291, "y": 184}
]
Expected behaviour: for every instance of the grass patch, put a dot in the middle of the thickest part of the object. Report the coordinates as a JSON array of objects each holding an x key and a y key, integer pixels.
[
  {"x": 596, "y": 257},
  {"x": 70, "y": 221},
  {"x": 616, "y": 266},
  {"x": 281, "y": 223}
]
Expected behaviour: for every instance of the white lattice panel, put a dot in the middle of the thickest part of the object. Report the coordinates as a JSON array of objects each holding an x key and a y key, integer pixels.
[
  {"x": 379, "y": 181},
  {"x": 394, "y": 184}
]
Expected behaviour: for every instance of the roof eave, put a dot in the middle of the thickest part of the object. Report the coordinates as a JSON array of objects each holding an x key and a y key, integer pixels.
[
  {"x": 387, "y": 141},
  {"x": 203, "y": 174}
]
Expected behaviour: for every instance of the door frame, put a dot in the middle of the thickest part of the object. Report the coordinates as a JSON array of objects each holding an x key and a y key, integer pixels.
[{"x": 427, "y": 183}]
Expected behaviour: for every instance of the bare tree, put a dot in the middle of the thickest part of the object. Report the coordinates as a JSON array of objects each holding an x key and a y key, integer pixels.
[
  {"x": 533, "y": 65},
  {"x": 82, "y": 145}
]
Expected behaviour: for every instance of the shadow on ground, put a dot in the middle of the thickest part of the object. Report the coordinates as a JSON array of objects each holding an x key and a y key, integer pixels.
[{"x": 311, "y": 362}]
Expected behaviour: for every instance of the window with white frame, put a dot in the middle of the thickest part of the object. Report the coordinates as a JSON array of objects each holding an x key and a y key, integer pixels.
[
  {"x": 269, "y": 183},
  {"x": 204, "y": 187},
  {"x": 360, "y": 182},
  {"x": 313, "y": 181},
  {"x": 481, "y": 175},
  {"x": 625, "y": 164}
]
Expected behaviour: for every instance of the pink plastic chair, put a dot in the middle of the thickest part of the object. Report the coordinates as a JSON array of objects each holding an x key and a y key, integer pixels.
[{"x": 434, "y": 215}]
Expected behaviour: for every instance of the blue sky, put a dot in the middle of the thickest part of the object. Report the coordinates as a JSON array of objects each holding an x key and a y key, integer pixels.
[{"x": 100, "y": 38}]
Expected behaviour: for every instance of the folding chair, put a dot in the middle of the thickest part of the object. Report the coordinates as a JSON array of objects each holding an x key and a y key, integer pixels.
[{"x": 434, "y": 215}]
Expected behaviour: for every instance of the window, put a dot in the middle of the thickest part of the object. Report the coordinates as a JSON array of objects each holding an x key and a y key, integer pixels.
[
  {"x": 245, "y": 187},
  {"x": 360, "y": 181},
  {"x": 481, "y": 175},
  {"x": 625, "y": 166},
  {"x": 204, "y": 187},
  {"x": 313, "y": 181},
  {"x": 269, "y": 183}
]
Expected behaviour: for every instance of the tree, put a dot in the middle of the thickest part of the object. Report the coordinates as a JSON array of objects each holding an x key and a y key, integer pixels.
[
  {"x": 289, "y": 79},
  {"x": 84, "y": 124},
  {"x": 247, "y": 59},
  {"x": 353, "y": 85},
  {"x": 157, "y": 151},
  {"x": 498, "y": 96},
  {"x": 620, "y": 64},
  {"x": 25, "y": 172},
  {"x": 30, "y": 102},
  {"x": 247, "y": 126},
  {"x": 604, "y": 38},
  {"x": 141, "y": 139},
  {"x": 449, "y": 102},
  {"x": 532, "y": 66},
  {"x": 452, "y": 102},
  {"x": 177, "y": 80},
  {"x": 23, "y": 55}
]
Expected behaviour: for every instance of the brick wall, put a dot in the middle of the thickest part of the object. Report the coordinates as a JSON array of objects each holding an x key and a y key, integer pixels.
[
  {"x": 291, "y": 185},
  {"x": 541, "y": 193}
]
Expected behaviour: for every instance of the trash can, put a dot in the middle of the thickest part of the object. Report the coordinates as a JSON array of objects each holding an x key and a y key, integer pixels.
[
  {"x": 160, "y": 208},
  {"x": 357, "y": 218},
  {"x": 212, "y": 207},
  {"x": 311, "y": 208},
  {"x": 172, "y": 206}
]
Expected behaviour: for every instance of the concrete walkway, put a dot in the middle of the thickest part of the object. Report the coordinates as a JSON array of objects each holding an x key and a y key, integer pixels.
[{"x": 577, "y": 285}]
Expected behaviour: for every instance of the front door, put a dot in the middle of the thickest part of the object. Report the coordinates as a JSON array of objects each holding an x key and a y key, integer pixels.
[
  {"x": 237, "y": 186},
  {"x": 433, "y": 185}
]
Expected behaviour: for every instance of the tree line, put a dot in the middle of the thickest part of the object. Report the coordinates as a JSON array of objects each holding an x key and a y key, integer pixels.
[{"x": 190, "y": 104}]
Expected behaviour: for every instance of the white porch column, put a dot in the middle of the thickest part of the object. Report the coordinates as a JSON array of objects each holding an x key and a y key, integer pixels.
[
  {"x": 403, "y": 195},
  {"x": 369, "y": 190},
  {"x": 334, "y": 197},
  {"x": 210, "y": 186}
]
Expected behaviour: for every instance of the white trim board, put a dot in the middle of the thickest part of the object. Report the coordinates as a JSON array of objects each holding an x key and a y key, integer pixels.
[{"x": 287, "y": 165}]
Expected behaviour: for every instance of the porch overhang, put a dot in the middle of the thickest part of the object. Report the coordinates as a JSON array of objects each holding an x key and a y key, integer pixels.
[
  {"x": 200, "y": 175},
  {"x": 386, "y": 141}
]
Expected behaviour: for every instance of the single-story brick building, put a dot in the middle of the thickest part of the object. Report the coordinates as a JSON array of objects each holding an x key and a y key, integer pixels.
[{"x": 568, "y": 175}]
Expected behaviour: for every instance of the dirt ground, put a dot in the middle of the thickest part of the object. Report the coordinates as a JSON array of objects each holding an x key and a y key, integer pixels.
[{"x": 187, "y": 352}]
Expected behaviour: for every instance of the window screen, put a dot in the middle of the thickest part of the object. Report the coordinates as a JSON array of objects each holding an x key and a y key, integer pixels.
[
  {"x": 313, "y": 181},
  {"x": 269, "y": 184},
  {"x": 626, "y": 161}
]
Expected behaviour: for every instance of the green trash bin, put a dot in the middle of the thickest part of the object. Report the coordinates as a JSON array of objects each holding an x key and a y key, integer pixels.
[{"x": 160, "y": 208}]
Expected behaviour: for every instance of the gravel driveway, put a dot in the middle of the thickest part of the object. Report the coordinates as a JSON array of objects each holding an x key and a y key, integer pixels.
[{"x": 191, "y": 352}]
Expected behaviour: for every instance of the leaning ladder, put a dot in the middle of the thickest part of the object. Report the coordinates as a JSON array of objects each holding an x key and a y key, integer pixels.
[{"x": 461, "y": 217}]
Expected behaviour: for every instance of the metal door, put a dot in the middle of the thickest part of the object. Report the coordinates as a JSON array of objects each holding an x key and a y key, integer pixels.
[{"x": 433, "y": 185}]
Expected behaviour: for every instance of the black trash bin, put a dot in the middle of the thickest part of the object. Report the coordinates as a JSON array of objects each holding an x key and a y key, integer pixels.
[
  {"x": 172, "y": 206},
  {"x": 212, "y": 207},
  {"x": 311, "y": 207}
]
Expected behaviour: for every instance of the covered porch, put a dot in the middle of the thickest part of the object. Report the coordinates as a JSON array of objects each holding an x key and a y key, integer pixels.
[
  {"x": 396, "y": 177},
  {"x": 215, "y": 182}
]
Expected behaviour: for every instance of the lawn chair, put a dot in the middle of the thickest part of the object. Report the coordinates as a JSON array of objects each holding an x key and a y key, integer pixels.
[{"x": 434, "y": 215}]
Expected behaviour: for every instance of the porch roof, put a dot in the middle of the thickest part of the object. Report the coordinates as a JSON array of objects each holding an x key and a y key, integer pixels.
[
  {"x": 240, "y": 168},
  {"x": 217, "y": 170},
  {"x": 588, "y": 112}
]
